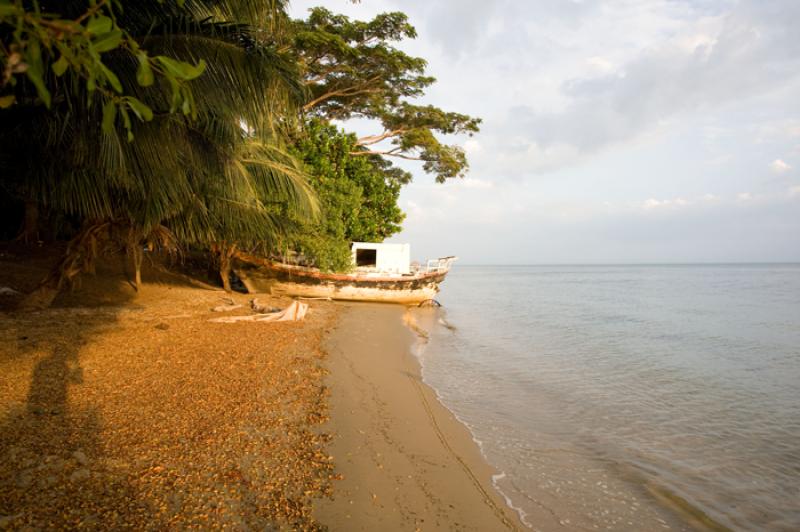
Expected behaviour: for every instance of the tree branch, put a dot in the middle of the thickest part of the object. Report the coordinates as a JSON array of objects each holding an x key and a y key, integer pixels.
[
  {"x": 374, "y": 139},
  {"x": 363, "y": 88},
  {"x": 390, "y": 153}
]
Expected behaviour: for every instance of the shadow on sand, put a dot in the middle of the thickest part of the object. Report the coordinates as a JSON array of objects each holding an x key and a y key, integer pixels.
[{"x": 53, "y": 470}]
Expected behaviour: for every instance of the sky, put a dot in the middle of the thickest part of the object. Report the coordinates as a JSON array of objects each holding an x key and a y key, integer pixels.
[{"x": 629, "y": 131}]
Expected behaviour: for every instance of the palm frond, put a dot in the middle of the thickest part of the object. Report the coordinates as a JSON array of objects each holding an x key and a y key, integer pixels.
[{"x": 213, "y": 177}]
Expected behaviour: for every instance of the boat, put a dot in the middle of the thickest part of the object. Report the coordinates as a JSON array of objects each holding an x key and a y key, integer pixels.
[{"x": 381, "y": 272}]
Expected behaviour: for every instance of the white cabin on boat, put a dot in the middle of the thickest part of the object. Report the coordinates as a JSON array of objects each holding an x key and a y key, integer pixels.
[{"x": 382, "y": 258}]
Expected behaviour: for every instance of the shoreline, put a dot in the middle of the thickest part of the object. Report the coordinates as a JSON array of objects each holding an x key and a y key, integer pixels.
[
  {"x": 407, "y": 462},
  {"x": 129, "y": 409},
  {"x": 541, "y": 509},
  {"x": 420, "y": 345},
  {"x": 156, "y": 417}
]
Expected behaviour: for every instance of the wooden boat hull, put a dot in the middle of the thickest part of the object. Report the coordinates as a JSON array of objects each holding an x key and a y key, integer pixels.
[{"x": 260, "y": 275}]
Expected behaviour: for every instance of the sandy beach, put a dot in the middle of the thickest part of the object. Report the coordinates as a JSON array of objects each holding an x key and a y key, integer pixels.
[
  {"x": 407, "y": 463},
  {"x": 135, "y": 412},
  {"x": 124, "y": 410}
]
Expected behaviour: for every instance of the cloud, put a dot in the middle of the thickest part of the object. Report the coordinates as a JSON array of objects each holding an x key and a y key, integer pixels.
[
  {"x": 674, "y": 204},
  {"x": 413, "y": 208},
  {"x": 472, "y": 146},
  {"x": 464, "y": 27},
  {"x": 601, "y": 64},
  {"x": 613, "y": 131},
  {"x": 652, "y": 203},
  {"x": 471, "y": 182},
  {"x": 779, "y": 167},
  {"x": 748, "y": 52},
  {"x": 537, "y": 229}
]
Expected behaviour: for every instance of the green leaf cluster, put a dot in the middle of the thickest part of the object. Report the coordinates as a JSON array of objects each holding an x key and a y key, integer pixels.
[
  {"x": 358, "y": 196},
  {"x": 43, "y": 42},
  {"x": 174, "y": 130},
  {"x": 352, "y": 69},
  {"x": 213, "y": 120}
]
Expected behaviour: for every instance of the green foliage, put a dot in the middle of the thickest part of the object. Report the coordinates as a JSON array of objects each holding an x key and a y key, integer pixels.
[
  {"x": 194, "y": 115},
  {"x": 353, "y": 70},
  {"x": 198, "y": 172},
  {"x": 357, "y": 195},
  {"x": 76, "y": 42}
]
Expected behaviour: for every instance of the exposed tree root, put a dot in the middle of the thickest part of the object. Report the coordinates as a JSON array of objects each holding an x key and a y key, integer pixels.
[
  {"x": 224, "y": 253},
  {"x": 97, "y": 237}
]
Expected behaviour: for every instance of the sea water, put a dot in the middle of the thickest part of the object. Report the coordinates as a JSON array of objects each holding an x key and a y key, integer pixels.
[{"x": 620, "y": 397}]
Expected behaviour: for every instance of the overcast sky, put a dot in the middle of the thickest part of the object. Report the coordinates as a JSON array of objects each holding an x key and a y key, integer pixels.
[{"x": 614, "y": 132}]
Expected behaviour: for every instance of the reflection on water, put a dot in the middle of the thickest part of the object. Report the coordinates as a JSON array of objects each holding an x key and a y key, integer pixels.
[{"x": 599, "y": 390}]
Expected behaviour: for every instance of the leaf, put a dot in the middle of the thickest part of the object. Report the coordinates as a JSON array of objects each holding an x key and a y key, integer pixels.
[
  {"x": 111, "y": 77},
  {"x": 144, "y": 74},
  {"x": 181, "y": 69},
  {"x": 126, "y": 121},
  {"x": 108, "y": 42},
  {"x": 176, "y": 95},
  {"x": 141, "y": 109},
  {"x": 35, "y": 71},
  {"x": 60, "y": 66},
  {"x": 99, "y": 25},
  {"x": 7, "y": 101},
  {"x": 170, "y": 65},
  {"x": 109, "y": 115},
  {"x": 196, "y": 71}
]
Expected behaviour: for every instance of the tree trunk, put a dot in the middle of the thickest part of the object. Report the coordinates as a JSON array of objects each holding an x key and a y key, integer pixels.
[
  {"x": 226, "y": 253},
  {"x": 138, "y": 255},
  {"x": 31, "y": 220},
  {"x": 79, "y": 257},
  {"x": 41, "y": 298},
  {"x": 225, "y": 273},
  {"x": 30, "y": 223}
]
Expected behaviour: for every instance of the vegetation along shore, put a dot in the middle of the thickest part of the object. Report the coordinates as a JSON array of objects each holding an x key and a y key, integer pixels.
[{"x": 145, "y": 148}]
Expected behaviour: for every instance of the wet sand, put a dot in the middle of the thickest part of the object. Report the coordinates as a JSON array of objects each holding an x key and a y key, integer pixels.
[{"x": 407, "y": 463}]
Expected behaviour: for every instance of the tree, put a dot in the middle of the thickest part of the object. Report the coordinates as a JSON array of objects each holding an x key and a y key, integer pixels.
[
  {"x": 80, "y": 37},
  {"x": 31, "y": 36},
  {"x": 207, "y": 175},
  {"x": 358, "y": 196},
  {"x": 352, "y": 70}
]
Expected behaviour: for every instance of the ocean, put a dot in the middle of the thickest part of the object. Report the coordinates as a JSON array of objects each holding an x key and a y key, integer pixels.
[{"x": 628, "y": 397}]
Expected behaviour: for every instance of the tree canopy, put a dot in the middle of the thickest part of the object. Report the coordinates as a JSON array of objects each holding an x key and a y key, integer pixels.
[
  {"x": 50, "y": 41},
  {"x": 358, "y": 196},
  {"x": 213, "y": 124},
  {"x": 207, "y": 173},
  {"x": 353, "y": 70}
]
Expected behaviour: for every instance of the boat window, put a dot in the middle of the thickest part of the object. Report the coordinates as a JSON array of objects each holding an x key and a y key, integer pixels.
[{"x": 366, "y": 257}]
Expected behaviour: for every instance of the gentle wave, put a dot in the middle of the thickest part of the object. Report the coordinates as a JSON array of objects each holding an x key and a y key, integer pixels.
[{"x": 629, "y": 396}]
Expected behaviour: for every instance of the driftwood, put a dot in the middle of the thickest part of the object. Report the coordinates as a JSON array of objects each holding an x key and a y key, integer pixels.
[
  {"x": 295, "y": 312},
  {"x": 226, "y": 308},
  {"x": 263, "y": 309}
]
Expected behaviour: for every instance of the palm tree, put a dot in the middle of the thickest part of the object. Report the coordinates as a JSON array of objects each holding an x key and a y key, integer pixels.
[{"x": 207, "y": 177}]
